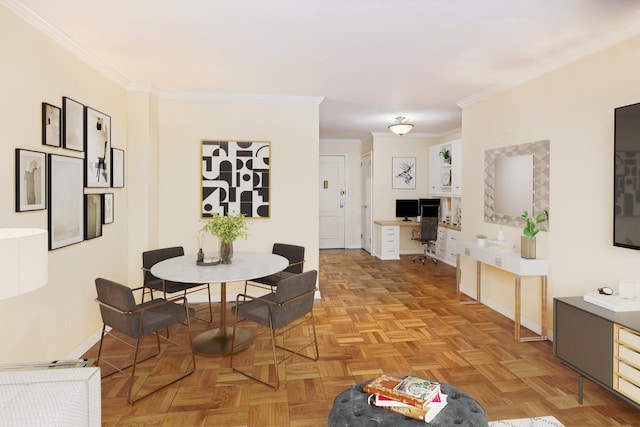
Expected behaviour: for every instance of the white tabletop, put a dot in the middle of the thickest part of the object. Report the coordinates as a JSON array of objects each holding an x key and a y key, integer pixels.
[{"x": 244, "y": 266}]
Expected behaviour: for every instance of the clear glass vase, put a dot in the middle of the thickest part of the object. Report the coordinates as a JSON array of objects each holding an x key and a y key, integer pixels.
[{"x": 226, "y": 252}]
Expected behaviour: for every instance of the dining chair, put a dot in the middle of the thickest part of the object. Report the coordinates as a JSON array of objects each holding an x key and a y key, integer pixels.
[
  {"x": 294, "y": 254},
  {"x": 121, "y": 313},
  {"x": 151, "y": 282},
  {"x": 289, "y": 307}
]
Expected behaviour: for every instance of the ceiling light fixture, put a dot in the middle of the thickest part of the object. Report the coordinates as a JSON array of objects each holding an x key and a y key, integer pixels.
[{"x": 400, "y": 127}]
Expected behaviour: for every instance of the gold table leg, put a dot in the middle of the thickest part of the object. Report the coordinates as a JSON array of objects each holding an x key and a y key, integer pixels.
[
  {"x": 543, "y": 311},
  {"x": 216, "y": 342}
]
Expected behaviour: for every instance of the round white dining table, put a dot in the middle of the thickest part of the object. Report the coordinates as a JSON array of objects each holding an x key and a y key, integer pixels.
[{"x": 244, "y": 266}]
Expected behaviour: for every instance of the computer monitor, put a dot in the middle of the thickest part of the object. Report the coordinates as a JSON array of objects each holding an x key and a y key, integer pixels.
[
  {"x": 429, "y": 202},
  {"x": 406, "y": 208},
  {"x": 432, "y": 211}
]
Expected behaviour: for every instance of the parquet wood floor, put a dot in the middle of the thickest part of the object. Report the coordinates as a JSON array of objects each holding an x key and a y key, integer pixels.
[{"x": 393, "y": 317}]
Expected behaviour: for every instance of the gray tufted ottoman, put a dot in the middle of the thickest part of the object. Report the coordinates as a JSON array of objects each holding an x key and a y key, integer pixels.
[{"x": 350, "y": 409}]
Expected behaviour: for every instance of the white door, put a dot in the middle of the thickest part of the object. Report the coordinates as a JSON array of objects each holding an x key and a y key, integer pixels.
[
  {"x": 365, "y": 211},
  {"x": 333, "y": 198}
]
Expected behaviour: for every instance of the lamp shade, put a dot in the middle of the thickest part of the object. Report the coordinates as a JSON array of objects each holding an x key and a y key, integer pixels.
[
  {"x": 24, "y": 261},
  {"x": 400, "y": 127}
]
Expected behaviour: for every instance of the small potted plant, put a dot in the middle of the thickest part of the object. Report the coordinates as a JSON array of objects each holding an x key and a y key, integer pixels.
[
  {"x": 227, "y": 229},
  {"x": 530, "y": 230},
  {"x": 446, "y": 155},
  {"x": 482, "y": 239}
]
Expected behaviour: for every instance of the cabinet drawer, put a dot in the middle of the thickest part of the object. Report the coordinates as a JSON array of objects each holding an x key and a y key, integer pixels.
[
  {"x": 629, "y": 338},
  {"x": 630, "y": 390}
]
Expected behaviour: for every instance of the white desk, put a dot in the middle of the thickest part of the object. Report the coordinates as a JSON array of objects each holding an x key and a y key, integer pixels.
[
  {"x": 244, "y": 266},
  {"x": 513, "y": 263}
]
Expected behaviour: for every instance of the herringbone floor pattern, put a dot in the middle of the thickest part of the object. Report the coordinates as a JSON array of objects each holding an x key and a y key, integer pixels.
[{"x": 393, "y": 317}]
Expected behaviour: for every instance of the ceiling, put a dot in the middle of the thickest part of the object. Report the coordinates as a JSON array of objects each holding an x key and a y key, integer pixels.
[{"x": 370, "y": 60}]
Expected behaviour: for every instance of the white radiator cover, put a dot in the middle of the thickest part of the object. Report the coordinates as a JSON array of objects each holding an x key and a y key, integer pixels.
[{"x": 50, "y": 397}]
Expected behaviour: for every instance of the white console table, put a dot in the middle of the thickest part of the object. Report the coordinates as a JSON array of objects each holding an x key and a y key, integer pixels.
[{"x": 513, "y": 263}]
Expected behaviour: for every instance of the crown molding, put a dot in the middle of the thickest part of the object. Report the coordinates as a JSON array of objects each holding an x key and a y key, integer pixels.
[
  {"x": 212, "y": 96},
  {"x": 64, "y": 40},
  {"x": 144, "y": 87}
]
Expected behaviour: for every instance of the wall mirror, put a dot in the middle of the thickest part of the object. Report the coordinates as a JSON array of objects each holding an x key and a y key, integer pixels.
[{"x": 516, "y": 179}]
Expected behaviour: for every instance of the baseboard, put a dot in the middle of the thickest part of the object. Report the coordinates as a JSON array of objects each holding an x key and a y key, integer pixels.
[{"x": 85, "y": 346}]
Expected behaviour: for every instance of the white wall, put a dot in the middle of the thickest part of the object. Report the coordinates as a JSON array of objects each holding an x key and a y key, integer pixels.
[
  {"x": 385, "y": 148},
  {"x": 52, "y": 321},
  {"x": 572, "y": 107},
  {"x": 292, "y": 129}
]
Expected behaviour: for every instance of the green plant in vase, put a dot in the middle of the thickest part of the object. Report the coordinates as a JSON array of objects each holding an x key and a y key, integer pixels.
[
  {"x": 227, "y": 229},
  {"x": 446, "y": 155},
  {"x": 530, "y": 230}
]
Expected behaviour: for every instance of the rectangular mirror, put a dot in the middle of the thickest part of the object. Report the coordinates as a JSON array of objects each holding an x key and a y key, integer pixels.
[{"x": 516, "y": 179}]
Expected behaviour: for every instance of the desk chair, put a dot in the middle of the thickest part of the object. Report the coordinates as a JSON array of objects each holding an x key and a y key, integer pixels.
[
  {"x": 428, "y": 233},
  {"x": 121, "y": 313},
  {"x": 151, "y": 282},
  {"x": 290, "y": 306}
]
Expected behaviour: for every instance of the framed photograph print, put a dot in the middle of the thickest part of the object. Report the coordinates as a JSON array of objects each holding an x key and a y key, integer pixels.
[
  {"x": 30, "y": 180},
  {"x": 117, "y": 168},
  {"x": 93, "y": 216},
  {"x": 97, "y": 149},
  {"x": 235, "y": 178},
  {"x": 404, "y": 172},
  {"x": 107, "y": 208},
  {"x": 51, "y": 125},
  {"x": 66, "y": 210},
  {"x": 72, "y": 124}
]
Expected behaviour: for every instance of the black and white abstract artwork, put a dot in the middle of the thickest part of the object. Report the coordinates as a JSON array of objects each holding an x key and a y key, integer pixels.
[
  {"x": 235, "y": 178},
  {"x": 404, "y": 172},
  {"x": 97, "y": 149}
]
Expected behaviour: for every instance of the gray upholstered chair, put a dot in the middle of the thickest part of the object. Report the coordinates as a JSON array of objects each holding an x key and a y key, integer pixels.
[
  {"x": 290, "y": 306},
  {"x": 151, "y": 282},
  {"x": 121, "y": 313},
  {"x": 429, "y": 219},
  {"x": 293, "y": 253}
]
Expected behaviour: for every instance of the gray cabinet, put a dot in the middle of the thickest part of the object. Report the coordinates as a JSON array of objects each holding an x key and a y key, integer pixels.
[{"x": 600, "y": 344}]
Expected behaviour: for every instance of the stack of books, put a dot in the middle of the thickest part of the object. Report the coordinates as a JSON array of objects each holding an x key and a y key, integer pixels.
[{"x": 409, "y": 396}]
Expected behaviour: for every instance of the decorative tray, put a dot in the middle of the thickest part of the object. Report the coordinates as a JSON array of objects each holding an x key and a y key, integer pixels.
[{"x": 208, "y": 261}]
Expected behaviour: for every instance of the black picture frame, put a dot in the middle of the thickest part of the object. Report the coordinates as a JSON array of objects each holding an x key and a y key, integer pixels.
[
  {"x": 51, "y": 124},
  {"x": 97, "y": 149},
  {"x": 31, "y": 175},
  {"x": 92, "y": 216},
  {"x": 72, "y": 124},
  {"x": 65, "y": 197},
  {"x": 117, "y": 168},
  {"x": 107, "y": 208}
]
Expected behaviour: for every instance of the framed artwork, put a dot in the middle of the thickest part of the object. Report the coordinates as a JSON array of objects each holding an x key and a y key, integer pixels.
[
  {"x": 117, "y": 168},
  {"x": 66, "y": 210},
  {"x": 30, "y": 180},
  {"x": 92, "y": 216},
  {"x": 97, "y": 149},
  {"x": 404, "y": 172},
  {"x": 72, "y": 124},
  {"x": 51, "y": 120},
  {"x": 235, "y": 178},
  {"x": 107, "y": 208}
]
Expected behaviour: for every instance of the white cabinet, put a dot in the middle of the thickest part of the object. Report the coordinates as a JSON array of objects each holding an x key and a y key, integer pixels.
[
  {"x": 386, "y": 240},
  {"x": 445, "y": 174},
  {"x": 446, "y": 245}
]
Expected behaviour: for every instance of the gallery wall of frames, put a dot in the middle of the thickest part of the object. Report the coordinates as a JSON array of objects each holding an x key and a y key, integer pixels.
[{"x": 72, "y": 178}]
